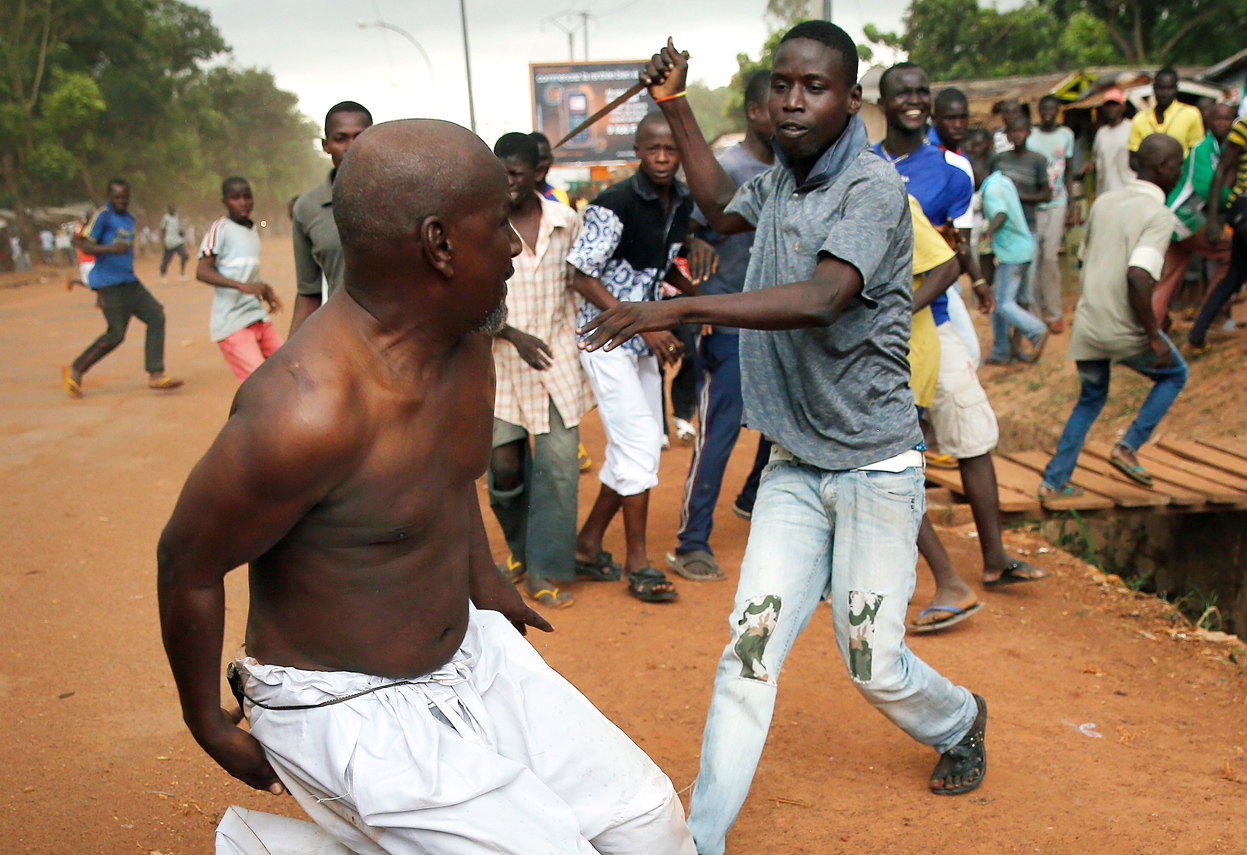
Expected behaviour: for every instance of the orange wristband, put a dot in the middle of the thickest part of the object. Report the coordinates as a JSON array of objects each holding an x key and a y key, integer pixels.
[{"x": 679, "y": 94}]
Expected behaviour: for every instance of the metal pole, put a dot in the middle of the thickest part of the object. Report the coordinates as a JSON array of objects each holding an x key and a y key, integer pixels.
[
  {"x": 826, "y": 10},
  {"x": 571, "y": 45},
  {"x": 467, "y": 64},
  {"x": 584, "y": 27}
]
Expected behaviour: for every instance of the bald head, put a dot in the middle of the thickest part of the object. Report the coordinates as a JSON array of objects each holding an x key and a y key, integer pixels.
[
  {"x": 1159, "y": 160},
  {"x": 398, "y": 174},
  {"x": 422, "y": 209}
]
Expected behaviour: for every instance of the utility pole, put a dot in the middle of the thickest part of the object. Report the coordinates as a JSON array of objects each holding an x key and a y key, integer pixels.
[
  {"x": 467, "y": 64},
  {"x": 826, "y": 10},
  {"x": 565, "y": 21}
]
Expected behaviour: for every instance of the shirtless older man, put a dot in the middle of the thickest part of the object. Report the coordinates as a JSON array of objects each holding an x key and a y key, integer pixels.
[{"x": 385, "y": 685}]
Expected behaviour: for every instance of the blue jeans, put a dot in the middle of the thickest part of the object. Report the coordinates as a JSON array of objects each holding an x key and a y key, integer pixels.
[
  {"x": 851, "y": 535},
  {"x": 1007, "y": 284},
  {"x": 720, "y": 405},
  {"x": 1094, "y": 374}
]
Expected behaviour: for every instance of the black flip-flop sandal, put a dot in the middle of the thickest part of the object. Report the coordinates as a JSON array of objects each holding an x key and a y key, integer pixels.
[
  {"x": 641, "y": 585},
  {"x": 963, "y": 758},
  {"x": 601, "y": 568},
  {"x": 1010, "y": 575}
]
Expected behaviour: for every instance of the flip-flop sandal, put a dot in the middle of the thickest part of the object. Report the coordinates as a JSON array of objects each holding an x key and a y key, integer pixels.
[
  {"x": 166, "y": 383},
  {"x": 696, "y": 566},
  {"x": 513, "y": 570},
  {"x": 940, "y": 461},
  {"x": 641, "y": 585},
  {"x": 600, "y": 568},
  {"x": 955, "y": 616},
  {"x": 72, "y": 386},
  {"x": 1069, "y": 491},
  {"x": 1011, "y": 576},
  {"x": 1136, "y": 472},
  {"x": 965, "y": 757},
  {"x": 552, "y": 598}
]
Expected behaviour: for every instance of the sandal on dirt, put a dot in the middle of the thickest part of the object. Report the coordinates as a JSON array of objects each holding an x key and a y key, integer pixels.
[
  {"x": 549, "y": 596},
  {"x": 955, "y": 616},
  {"x": 696, "y": 566},
  {"x": 643, "y": 582},
  {"x": 1010, "y": 575},
  {"x": 165, "y": 383},
  {"x": 966, "y": 760},
  {"x": 1135, "y": 472},
  {"x": 72, "y": 386},
  {"x": 601, "y": 568},
  {"x": 513, "y": 570}
]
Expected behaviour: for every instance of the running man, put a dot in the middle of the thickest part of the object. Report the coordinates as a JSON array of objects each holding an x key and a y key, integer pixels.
[
  {"x": 625, "y": 251},
  {"x": 1123, "y": 255},
  {"x": 173, "y": 242},
  {"x": 110, "y": 239},
  {"x": 317, "y": 252},
  {"x": 830, "y": 284},
  {"x": 229, "y": 260},
  {"x": 385, "y": 681}
]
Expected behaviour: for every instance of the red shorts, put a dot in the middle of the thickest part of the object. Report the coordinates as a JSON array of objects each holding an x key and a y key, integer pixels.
[{"x": 247, "y": 348}]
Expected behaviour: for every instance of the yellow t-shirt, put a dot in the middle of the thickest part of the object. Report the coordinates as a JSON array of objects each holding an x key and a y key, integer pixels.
[
  {"x": 930, "y": 251},
  {"x": 1182, "y": 122}
]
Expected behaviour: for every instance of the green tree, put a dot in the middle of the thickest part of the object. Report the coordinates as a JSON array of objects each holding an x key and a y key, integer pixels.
[
  {"x": 93, "y": 89},
  {"x": 959, "y": 38}
]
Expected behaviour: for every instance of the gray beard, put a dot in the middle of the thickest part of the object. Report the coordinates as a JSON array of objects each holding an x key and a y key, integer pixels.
[{"x": 493, "y": 323}]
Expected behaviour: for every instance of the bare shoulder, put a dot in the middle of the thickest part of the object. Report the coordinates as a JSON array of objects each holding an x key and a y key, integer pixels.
[{"x": 300, "y": 410}]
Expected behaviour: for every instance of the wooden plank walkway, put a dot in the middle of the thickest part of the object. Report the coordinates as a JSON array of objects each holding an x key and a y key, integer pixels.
[{"x": 1188, "y": 476}]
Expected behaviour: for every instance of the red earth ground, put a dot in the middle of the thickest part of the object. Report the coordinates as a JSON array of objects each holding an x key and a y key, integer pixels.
[{"x": 1114, "y": 728}]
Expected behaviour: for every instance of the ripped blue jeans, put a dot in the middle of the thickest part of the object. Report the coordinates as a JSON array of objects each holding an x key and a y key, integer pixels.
[{"x": 850, "y": 535}]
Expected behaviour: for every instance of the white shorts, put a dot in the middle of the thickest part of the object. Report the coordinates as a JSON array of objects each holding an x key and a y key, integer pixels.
[
  {"x": 628, "y": 389},
  {"x": 492, "y": 753},
  {"x": 961, "y": 418},
  {"x": 84, "y": 271}
]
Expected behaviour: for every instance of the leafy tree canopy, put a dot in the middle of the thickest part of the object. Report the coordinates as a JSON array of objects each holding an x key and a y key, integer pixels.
[{"x": 135, "y": 88}]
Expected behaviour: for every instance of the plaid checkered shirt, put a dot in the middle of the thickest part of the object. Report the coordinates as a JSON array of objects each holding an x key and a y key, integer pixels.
[{"x": 540, "y": 302}]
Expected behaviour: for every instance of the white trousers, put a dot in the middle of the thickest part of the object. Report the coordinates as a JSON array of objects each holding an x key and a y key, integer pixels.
[
  {"x": 628, "y": 388},
  {"x": 492, "y": 753}
]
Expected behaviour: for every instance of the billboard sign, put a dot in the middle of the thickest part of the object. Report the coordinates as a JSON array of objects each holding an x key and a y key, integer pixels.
[{"x": 566, "y": 94}]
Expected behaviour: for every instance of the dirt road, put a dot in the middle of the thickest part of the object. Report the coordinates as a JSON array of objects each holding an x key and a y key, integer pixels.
[{"x": 1107, "y": 735}]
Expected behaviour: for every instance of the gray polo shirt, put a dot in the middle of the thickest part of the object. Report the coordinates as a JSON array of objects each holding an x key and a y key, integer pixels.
[
  {"x": 317, "y": 250},
  {"x": 837, "y": 397}
]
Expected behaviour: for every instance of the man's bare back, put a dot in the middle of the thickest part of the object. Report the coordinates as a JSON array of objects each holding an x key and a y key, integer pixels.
[{"x": 345, "y": 476}]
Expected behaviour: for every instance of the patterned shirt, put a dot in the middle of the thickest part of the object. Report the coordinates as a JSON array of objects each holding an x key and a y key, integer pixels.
[
  {"x": 629, "y": 243},
  {"x": 1238, "y": 137},
  {"x": 541, "y": 303}
]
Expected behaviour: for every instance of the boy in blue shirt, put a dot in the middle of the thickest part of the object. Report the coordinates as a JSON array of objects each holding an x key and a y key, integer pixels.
[
  {"x": 1014, "y": 249},
  {"x": 110, "y": 238}
]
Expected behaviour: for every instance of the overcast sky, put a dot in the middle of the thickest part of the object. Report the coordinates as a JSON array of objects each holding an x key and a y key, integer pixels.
[{"x": 317, "y": 51}]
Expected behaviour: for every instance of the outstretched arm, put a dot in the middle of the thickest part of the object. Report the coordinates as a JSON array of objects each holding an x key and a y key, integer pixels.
[
  {"x": 260, "y": 476},
  {"x": 666, "y": 74},
  {"x": 816, "y": 302}
]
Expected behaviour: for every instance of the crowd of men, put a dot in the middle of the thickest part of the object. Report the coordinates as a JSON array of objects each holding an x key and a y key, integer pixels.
[{"x": 455, "y": 316}]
